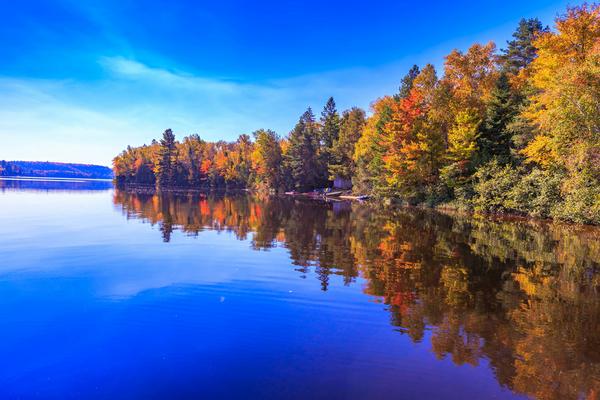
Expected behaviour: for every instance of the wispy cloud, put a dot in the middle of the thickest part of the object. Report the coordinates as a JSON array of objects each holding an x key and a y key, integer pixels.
[
  {"x": 133, "y": 102},
  {"x": 124, "y": 68},
  {"x": 37, "y": 122}
]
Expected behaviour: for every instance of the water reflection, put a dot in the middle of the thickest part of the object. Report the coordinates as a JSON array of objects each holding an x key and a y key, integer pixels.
[
  {"x": 53, "y": 184},
  {"x": 522, "y": 295}
]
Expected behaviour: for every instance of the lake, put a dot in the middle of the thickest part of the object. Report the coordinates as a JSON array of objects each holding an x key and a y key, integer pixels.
[{"x": 107, "y": 293}]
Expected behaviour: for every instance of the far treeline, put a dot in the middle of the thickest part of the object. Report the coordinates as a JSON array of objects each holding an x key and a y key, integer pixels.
[
  {"x": 515, "y": 130},
  {"x": 48, "y": 169}
]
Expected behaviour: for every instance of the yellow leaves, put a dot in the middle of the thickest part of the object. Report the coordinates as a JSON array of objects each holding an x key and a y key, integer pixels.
[
  {"x": 578, "y": 34},
  {"x": 462, "y": 138},
  {"x": 372, "y": 131},
  {"x": 361, "y": 149},
  {"x": 541, "y": 150},
  {"x": 426, "y": 80},
  {"x": 258, "y": 161},
  {"x": 285, "y": 145},
  {"x": 266, "y": 158},
  {"x": 566, "y": 75}
]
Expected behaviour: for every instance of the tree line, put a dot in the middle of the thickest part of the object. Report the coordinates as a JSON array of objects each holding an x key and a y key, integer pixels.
[
  {"x": 54, "y": 170},
  {"x": 515, "y": 130}
]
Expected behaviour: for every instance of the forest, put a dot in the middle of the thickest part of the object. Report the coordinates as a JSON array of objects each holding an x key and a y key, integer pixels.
[{"x": 515, "y": 130}]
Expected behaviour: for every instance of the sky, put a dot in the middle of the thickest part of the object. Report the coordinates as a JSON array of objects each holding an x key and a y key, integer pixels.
[{"x": 80, "y": 80}]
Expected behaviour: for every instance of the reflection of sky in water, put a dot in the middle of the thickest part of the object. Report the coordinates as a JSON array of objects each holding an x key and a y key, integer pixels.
[
  {"x": 95, "y": 305},
  {"x": 44, "y": 184}
]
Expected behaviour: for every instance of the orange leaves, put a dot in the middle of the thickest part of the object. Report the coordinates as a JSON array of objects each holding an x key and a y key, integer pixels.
[
  {"x": 579, "y": 31},
  {"x": 204, "y": 208},
  {"x": 414, "y": 145},
  {"x": 471, "y": 75},
  {"x": 403, "y": 147},
  {"x": 206, "y": 166},
  {"x": 221, "y": 161},
  {"x": 404, "y": 113}
]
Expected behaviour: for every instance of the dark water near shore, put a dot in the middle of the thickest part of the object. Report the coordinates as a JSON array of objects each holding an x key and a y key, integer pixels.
[{"x": 110, "y": 294}]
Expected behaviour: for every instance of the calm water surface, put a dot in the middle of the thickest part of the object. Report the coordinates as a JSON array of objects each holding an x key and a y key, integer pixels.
[{"x": 111, "y": 294}]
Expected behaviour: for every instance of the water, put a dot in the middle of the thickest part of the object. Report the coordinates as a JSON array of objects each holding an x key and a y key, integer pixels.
[{"x": 111, "y": 294}]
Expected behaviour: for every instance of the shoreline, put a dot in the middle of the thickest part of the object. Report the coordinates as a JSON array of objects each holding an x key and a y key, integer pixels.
[{"x": 444, "y": 208}]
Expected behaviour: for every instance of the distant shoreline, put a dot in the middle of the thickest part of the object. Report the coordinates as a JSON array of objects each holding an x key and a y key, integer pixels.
[
  {"x": 47, "y": 169},
  {"x": 51, "y": 178}
]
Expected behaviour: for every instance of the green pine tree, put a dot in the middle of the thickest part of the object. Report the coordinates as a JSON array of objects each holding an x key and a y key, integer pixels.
[
  {"x": 302, "y": 157},
  {"x": 352, "y": 124},
  {"x": 165, "y": 170},
  {"x": 407, "y": 82},
  {"x": 494, "y": 139},
  {"x": 520, "y": 51},
  {"x": 330, "y": 131}
]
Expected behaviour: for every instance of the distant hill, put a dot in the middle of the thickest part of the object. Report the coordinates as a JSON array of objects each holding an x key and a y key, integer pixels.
[{"x": 46, "y": 169}]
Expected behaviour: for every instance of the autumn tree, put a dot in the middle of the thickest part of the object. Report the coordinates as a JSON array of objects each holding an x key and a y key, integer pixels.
[
  {"x": 414, "y": 139},
  {"x": 242, "y": 160},
  {"x": 462, "y": 145},
  {"x": 403, "y": 150},
  {"x": 430, "y": 132},
  {"x": 191, "y": 156},
  {"x": 462, "y": 138},
  {"x": 565, "y": 75},
  {"x": 565, "y": 109},
  {"x": 371, "y": 148},
  {"x": 471, "y": 76},
  {"x": 267, "y": 159}
]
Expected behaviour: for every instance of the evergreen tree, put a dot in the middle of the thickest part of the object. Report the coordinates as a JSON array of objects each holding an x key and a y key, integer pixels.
[
  {"x": 330, "y": 131},
  {"x": 165, "y": 170},
  {"x": 330, "y": 124},
  {"x": 302, "y": 157},
  {"x": 407, "y": 82},
  {"x": 351, "y": 128},
  {"x": 494, "y": 139},
  {"x": 521, "y": 51}
]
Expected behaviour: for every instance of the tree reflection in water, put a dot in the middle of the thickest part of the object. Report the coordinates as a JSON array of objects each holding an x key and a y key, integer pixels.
[{"x": 522, "y": 294}]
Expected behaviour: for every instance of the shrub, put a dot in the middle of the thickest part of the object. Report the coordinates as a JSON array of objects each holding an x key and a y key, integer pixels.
[
  {"x": 581, "y": 200},
  {"x": 536, "y": 193},
  {"x": 492, "y": 186}
]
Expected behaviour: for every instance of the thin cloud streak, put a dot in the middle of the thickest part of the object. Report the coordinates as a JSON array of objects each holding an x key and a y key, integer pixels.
[{"x": 135, "y": 102}]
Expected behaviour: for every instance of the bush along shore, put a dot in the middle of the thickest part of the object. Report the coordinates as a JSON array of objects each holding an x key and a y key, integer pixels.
[{"x": 515, "y": 130}]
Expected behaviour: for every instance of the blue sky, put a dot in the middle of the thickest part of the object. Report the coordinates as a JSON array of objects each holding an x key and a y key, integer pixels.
[{"x": 80, "y": 80}]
